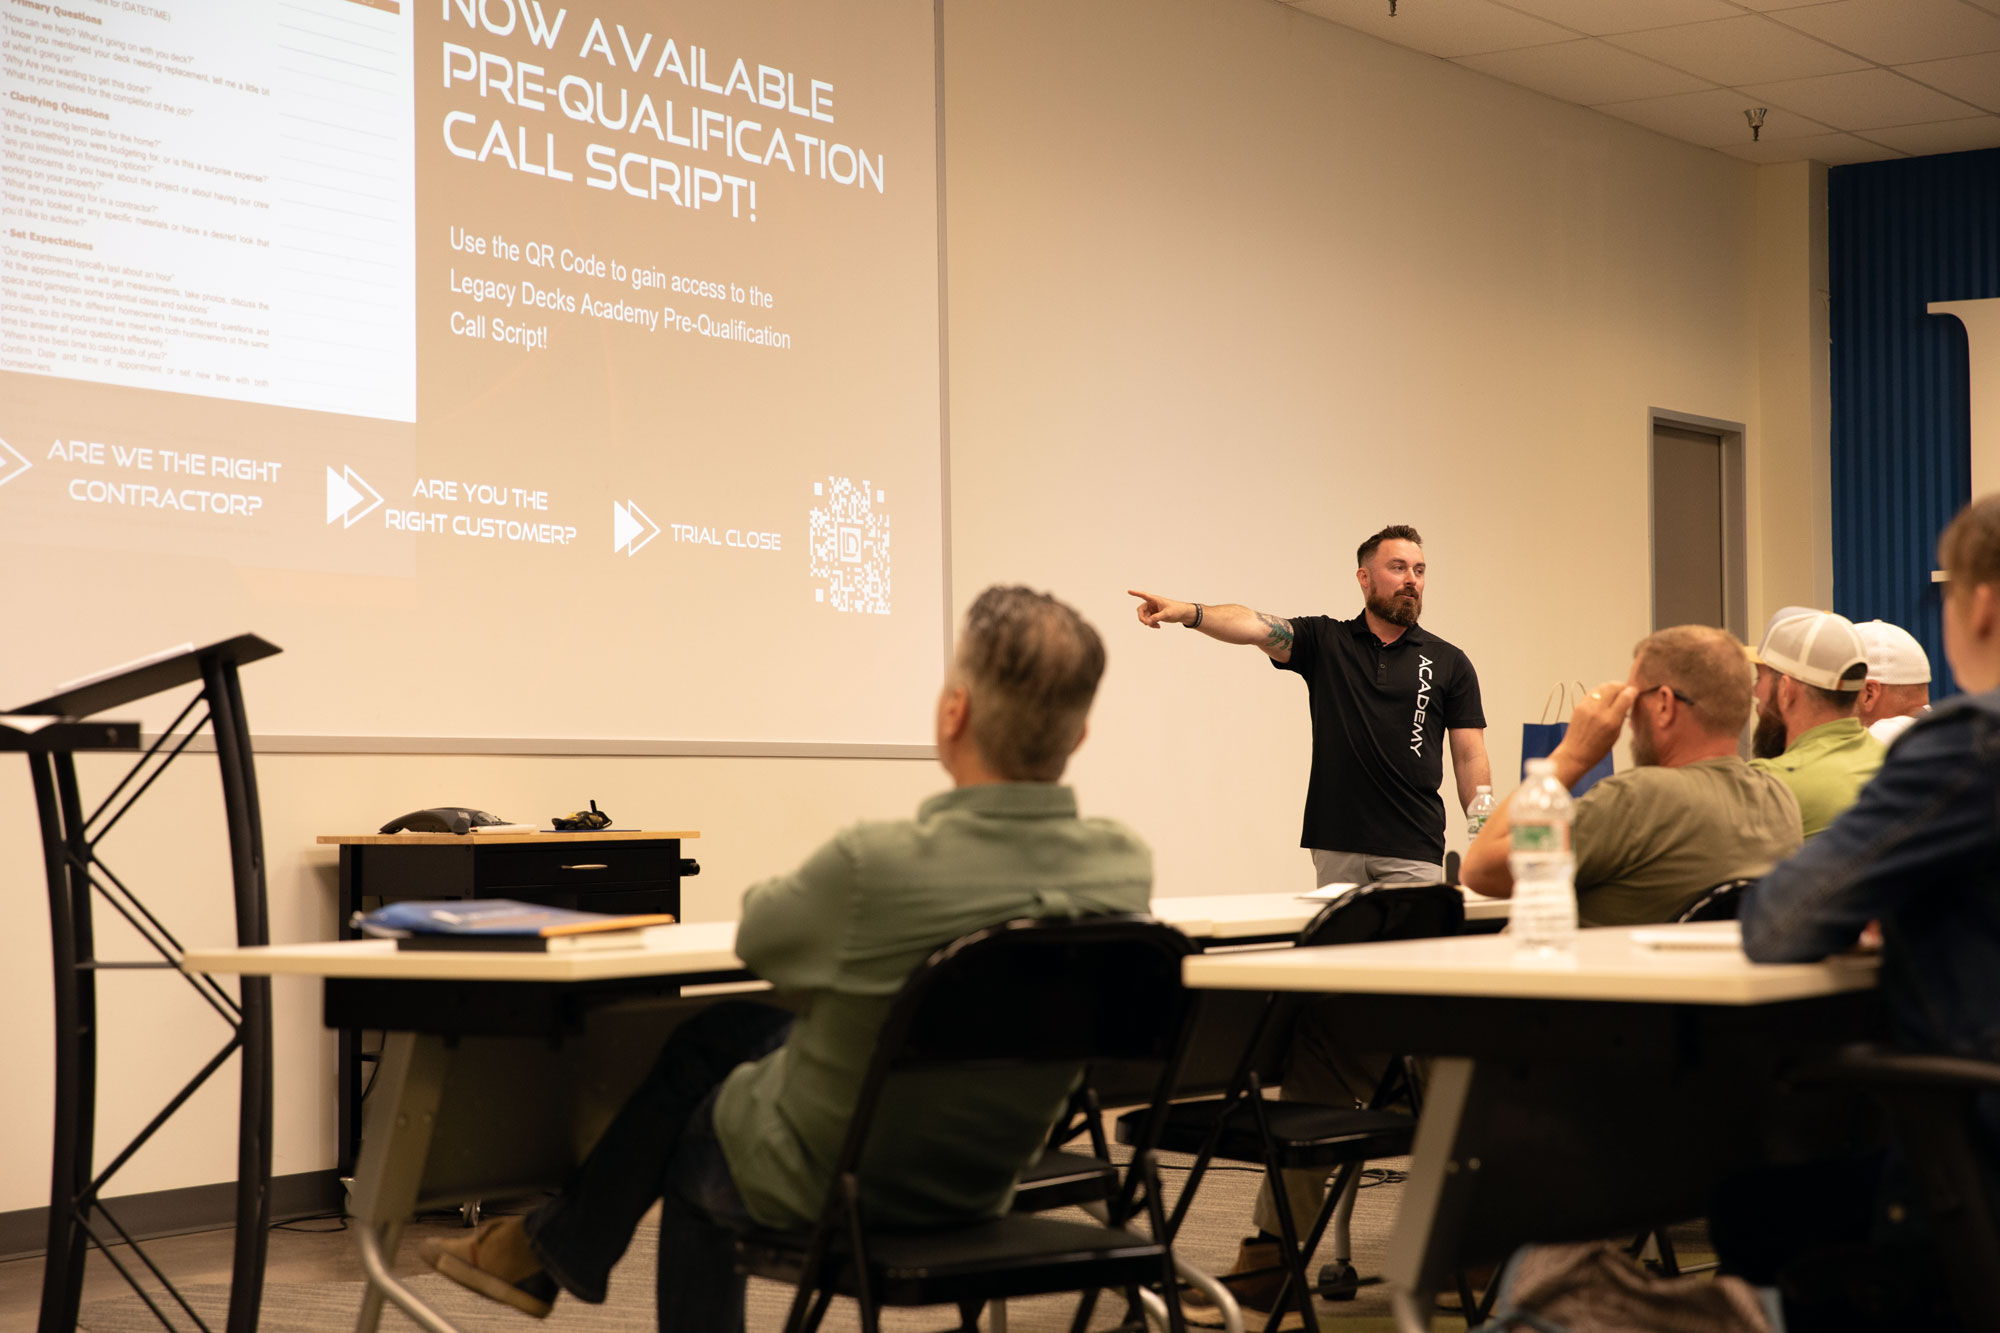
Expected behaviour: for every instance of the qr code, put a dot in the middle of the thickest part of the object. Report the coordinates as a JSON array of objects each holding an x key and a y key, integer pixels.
[{"x": 850, "y": 546}]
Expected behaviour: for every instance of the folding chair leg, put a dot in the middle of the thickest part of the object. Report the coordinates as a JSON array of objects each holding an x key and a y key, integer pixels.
[
  {"x": 1293, "y": 1287},
  {"x": 822, "y": 1302},
  {"x": 1669, "y": 1261},
  {"x": 1337, "y": 1279},
  {"x": 1468, "y": 1303},
  {"x": 1168, "y": 1302}
]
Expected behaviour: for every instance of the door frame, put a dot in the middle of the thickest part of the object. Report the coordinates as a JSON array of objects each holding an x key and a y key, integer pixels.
[{"x": 1735, "y": 511}]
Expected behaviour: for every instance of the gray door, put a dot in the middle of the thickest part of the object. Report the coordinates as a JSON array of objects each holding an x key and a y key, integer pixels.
[{"x": 1688, "y": 556}]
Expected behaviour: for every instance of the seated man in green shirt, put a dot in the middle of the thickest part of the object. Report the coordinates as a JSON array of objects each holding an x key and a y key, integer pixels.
[
  {"x": 1811, "y": 668},
  {"x": 745, "y": 1109},
  {"x": 1688, "y": 815}
]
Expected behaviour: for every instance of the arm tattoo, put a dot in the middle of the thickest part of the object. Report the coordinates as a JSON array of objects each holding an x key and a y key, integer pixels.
[{"x": 1281, "y": 632}]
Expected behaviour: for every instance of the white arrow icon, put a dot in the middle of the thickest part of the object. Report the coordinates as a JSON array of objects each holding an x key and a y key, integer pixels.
[
  {"x": 344, "y": 490},
  {"x": 12, "y": 464},
  {"x": 629, "y": 521}
]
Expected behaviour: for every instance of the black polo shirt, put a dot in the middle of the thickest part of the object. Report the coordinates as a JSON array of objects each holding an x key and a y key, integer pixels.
[{"x": 1379, "y": 716}]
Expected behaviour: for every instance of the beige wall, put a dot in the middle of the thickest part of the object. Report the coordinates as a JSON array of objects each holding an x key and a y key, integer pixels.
[
  {"x": 1793, "y": 484},
  {"x": 1229, "y": 288}
]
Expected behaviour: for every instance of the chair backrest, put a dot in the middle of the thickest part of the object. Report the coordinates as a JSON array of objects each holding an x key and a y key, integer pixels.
[
  {"x": 1029, "y": 991},
  {"x": 1226, "y": 1022},
  {"x": 1387, "y": 912},
  {"x": 1720, "y": 903},
  {"x": 1027, "y": 1000}
]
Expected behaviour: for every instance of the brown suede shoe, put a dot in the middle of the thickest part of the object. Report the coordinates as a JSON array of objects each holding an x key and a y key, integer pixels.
[
  {"x": 495, "y": 1261},
  {"x": 1254, "y": 1281}
]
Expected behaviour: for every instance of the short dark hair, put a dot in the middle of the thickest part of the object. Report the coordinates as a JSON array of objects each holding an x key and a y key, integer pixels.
[
  {"x": 1843, "y": 702},
  {"x": 1969, "y": 549},
  {"x": 1030, "y": 666},
  {"x": 1395, "y": 532}
]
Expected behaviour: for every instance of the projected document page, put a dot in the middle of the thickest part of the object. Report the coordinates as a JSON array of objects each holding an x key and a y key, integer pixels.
[
  {"x": 523, "y": 369},
  {"x": 213, "y": 198}
]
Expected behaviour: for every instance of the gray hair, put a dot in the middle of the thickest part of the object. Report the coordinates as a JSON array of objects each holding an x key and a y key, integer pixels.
[{"x": 1030, "y": 665}]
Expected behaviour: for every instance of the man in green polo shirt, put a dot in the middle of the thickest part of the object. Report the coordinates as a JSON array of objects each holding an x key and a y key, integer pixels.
[
  {"x": 1810, "y": 670},
  {"x": 745, "y": 1110}
]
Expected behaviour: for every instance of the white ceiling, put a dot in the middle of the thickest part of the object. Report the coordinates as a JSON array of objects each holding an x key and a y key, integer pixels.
[{"x": 1843, "y": 80}]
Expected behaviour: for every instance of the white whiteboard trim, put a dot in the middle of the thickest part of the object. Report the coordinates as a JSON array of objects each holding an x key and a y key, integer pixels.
[{"x": 563, "y": 745}]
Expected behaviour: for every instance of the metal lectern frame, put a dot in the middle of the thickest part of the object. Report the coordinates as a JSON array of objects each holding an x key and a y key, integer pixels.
[{"x": 76, "y": 874}]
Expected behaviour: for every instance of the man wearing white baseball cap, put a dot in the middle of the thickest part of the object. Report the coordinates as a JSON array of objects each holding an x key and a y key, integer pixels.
[
  {"x": 1899, "y": 680},
  {"x": 1810, "y": 671}
]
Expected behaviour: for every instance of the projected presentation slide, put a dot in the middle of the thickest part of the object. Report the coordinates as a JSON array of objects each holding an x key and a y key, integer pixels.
[{"x": 523, "y": 369}]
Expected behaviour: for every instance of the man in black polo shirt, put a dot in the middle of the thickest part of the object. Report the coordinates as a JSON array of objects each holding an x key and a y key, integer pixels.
[{"x": 1386, "y": 696}]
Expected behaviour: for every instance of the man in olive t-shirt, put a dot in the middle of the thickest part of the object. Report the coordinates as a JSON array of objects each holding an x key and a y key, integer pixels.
[
  {"x": 746, "y": 1109},
  {"x": 1689, "y": 815}
]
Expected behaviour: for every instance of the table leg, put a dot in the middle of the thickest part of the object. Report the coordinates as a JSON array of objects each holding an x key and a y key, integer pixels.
[
  {"x": 401, "y": 1117},
  {"x": 1425, "y": 1248}
]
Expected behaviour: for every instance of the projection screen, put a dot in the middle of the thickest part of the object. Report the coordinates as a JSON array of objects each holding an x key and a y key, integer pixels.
[{"x": 567, "y": 372}]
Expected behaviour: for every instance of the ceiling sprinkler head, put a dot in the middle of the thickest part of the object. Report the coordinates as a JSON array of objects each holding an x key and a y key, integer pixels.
[{"x": 1755, "y": 116}]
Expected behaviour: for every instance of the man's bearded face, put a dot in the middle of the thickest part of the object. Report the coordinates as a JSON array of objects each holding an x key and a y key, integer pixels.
[{"x": 1768, "y": 740}]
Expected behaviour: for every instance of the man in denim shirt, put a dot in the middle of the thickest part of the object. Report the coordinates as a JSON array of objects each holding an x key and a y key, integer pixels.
[{"x": 1919, "y": 852}]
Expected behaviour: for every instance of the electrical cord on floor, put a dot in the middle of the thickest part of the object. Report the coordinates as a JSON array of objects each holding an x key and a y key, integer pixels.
[{"x": 339, "y": 1221}]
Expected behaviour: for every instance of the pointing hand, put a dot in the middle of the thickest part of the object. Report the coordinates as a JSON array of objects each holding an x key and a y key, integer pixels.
[{"x": 1155, "y": 611}]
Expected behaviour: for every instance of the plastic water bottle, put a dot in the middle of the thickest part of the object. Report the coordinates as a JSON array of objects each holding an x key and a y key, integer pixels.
[
  {"x": 1482, "y": 808},
  {"x": 1543, "y": 920}
]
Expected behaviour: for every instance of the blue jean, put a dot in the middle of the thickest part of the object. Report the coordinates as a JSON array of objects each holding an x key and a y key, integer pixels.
[{"x": 662, "y": 1145}]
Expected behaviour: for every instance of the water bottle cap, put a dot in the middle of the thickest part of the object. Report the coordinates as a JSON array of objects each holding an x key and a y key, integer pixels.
[
  {"x": 1480, "y": 788},
  {"x": 1541, "y": 765}
]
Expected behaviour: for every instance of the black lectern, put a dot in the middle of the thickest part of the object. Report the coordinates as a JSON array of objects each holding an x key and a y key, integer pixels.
[{"x": 76, "y": 873}]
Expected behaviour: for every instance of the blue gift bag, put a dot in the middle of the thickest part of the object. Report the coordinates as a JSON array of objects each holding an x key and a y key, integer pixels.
[{"x": 1539, "y": 740}]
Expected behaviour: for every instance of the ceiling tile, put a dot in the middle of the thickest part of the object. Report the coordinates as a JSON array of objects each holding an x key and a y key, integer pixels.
[
  {"x": 1771, "y": 6},
  {"x": 1464, "y": 27},
  {"x": 1974, "y": 79},
  {"x": 1713, "y": 119},
  {"x": 1586, "y": 72},
  {"x": 1943, "y": 136},
  {"x": 1748, "y": 49},
  {"x": 1896, "y": 32},
  {"x": 1833, "y": 149},
  {"x": 1866, "y": 100},
  {"x": 1597, "y": 17}
]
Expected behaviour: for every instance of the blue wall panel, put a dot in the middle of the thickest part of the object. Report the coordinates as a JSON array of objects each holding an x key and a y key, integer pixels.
[{"x": 1899, "y": 235}]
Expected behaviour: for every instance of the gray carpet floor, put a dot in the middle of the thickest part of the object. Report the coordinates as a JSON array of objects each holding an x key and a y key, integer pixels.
[{"x": 1217, "y": 1222}]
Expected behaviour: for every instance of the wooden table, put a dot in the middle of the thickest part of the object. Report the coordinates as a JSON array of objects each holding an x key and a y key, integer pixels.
[
  {"x": 1573, "y": 1102},
  {"x": 562, "y": 1037},
  {"x": 557, "y": 1032}
]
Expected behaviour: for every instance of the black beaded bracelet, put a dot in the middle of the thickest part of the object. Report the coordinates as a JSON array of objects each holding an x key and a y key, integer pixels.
[{"x": 1196, "y": 622}]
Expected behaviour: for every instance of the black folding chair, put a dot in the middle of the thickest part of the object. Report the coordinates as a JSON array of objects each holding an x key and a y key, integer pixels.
[
  {"x": 1720, "y": 903},
  {"x": 1242, "y": 1125},
  {"x": 1931, "y": 1101},
  {"x": 1025, "y": 995}
]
